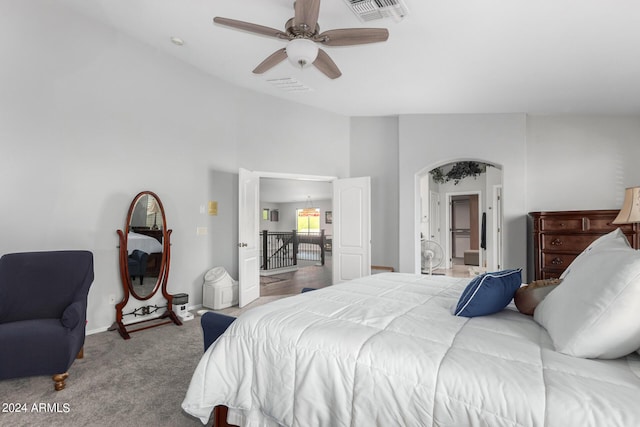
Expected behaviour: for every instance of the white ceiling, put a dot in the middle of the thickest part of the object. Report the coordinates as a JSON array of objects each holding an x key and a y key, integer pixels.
[{"x": 447, "y": 56}]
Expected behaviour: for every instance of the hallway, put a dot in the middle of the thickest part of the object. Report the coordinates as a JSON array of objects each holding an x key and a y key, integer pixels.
[
  {"x": 317, "y": 276},
  {"x": 292, "y": 282}
]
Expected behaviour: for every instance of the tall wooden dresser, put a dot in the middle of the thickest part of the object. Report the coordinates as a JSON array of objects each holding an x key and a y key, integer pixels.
[{"x": 559, "y": 237}]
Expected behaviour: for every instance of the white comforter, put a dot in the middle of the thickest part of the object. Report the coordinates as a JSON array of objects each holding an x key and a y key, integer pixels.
[
  {"x": 385, "y": 351},
  {"x": 144, "y": 243}
]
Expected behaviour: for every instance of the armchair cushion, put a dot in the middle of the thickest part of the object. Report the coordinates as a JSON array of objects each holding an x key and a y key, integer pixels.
[
  {"x": 37, "y": 347},
  {"x": 72, "y": 315}
]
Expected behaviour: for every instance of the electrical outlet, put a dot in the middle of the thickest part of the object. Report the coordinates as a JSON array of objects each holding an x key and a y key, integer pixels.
[{"x": 201, "y": 231}]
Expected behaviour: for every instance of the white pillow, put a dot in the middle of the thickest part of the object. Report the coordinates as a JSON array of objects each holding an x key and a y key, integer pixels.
[
  {"x": 594, "y": 312},
  {"x": 613, "y": 239}
]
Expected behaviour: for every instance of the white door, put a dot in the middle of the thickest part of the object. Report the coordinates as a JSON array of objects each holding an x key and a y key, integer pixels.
[
  {"x": 434, "y": 217},
  {"x": 351, "y": 228},
  {"x": 497, "y": 233},
  {"x": 248, "y": 237}
]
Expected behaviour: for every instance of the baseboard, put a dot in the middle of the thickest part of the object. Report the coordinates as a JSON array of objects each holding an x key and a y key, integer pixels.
[{"x": 97, "y": 331}]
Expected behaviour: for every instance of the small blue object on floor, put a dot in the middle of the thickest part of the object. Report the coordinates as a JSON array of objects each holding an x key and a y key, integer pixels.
[{"x": 307, "y": 290}]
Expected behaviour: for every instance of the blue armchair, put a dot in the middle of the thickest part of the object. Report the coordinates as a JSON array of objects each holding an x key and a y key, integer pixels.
[
  {"x": 43, "y": 307},
  {"x": 138, "y": 264}
]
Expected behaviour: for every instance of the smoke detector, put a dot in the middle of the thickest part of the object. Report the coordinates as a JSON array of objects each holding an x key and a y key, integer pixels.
[{"x": 371, "y": 10}]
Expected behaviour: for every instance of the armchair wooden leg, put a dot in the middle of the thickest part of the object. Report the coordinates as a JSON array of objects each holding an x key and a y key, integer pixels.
[
  {"x": 80, "y": 353},
  {"x": 59, "y": 380}
]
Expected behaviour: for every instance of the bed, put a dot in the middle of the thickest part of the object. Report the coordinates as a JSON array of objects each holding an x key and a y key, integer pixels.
[
  {"x": 143, "y": 243},
  {"x": 386, "y": 350}
]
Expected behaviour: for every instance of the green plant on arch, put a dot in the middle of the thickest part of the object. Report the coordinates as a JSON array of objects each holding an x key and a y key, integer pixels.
[{"x": 458, "y": 172}]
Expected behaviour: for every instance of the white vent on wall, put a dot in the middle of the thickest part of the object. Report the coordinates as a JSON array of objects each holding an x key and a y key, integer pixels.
[{"x": 370, "y": 10}]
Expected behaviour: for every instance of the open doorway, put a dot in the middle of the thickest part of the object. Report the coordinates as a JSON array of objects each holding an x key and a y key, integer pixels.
[
  {"x": 461, "y": 210},
  {"x": 465, "y": 234},
  {"x": 351, "y": 248},
  {"x": 296, "y": 230}
]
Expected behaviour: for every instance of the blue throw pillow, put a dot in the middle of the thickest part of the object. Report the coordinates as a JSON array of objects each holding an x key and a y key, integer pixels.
[{"x": 488, "y": 293}]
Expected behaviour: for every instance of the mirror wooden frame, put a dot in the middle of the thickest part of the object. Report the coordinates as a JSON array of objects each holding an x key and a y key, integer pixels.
[{"x": 168, "y": 316}]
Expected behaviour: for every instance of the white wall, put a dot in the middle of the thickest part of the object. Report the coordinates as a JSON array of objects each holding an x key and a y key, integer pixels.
[
  {"x": 374, "y": 153},
  {"x": 581, "y": 162},
  {"x": 90, "y": 117}
]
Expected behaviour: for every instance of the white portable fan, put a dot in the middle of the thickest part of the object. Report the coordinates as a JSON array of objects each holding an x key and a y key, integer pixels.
[{"x": 432, "y": 255}]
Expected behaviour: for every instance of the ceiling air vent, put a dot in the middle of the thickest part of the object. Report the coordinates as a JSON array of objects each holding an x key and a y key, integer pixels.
[
  {"x": 370, "y": 10},
  {"x": 289, "y": 84}
]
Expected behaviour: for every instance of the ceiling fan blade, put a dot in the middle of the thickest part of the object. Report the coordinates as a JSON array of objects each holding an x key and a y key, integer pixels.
[
  {"x": 352, "y": 36},
  {"x": 252, "y": 28},
  {"x": 306, "y": 13},
  {"x": 326, "y": 65},
  {"x": 274, "y": 59}
]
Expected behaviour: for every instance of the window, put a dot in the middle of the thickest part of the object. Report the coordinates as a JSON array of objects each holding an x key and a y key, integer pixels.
[{"x": 308, "y": 220}]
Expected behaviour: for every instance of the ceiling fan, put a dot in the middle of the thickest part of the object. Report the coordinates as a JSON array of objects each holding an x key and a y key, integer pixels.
[{"x": 303, "y": 33}]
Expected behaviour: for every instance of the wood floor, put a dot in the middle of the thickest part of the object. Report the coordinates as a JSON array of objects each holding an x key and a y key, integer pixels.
[
  {"x": 460, "y": 271},
  {"x": 289, "y": 283},
  {"x": 317, "y": 276}
]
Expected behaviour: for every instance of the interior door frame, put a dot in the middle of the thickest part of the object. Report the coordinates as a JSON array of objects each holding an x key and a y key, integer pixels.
[
  {"x": 434, "y": 217},
  {"x": 291, "y": 176},
  {"x": 448, "y": 243},
  {"x": 417, "y": 192}
]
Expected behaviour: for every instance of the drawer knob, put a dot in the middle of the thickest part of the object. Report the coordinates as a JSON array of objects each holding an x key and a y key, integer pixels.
[
  {"x": 556, "y": 242},
  {"x": 556, "y": 261}
]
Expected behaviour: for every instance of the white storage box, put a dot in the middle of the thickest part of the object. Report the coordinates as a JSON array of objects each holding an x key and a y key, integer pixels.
[{"x": 219, "y": 290}]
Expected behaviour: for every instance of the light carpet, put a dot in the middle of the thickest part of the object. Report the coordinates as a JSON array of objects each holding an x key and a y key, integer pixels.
[{"x": 137, "y": 382}]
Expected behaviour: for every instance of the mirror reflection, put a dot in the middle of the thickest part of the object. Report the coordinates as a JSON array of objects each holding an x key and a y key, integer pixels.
[{"x": 145, "y": 245}]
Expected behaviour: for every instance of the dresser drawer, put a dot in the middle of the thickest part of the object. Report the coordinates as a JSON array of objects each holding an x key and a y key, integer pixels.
[
  {"x": 574, "y": 243},
  {"x": 604, "y": 226},
  {"x": 561, "y": 224},
  {"x": 577, "y": 224},
  {"x": 556, "y": 261}
]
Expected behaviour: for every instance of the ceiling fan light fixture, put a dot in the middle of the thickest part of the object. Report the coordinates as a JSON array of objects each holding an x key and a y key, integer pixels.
[{"x": 301, "y": 52}]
